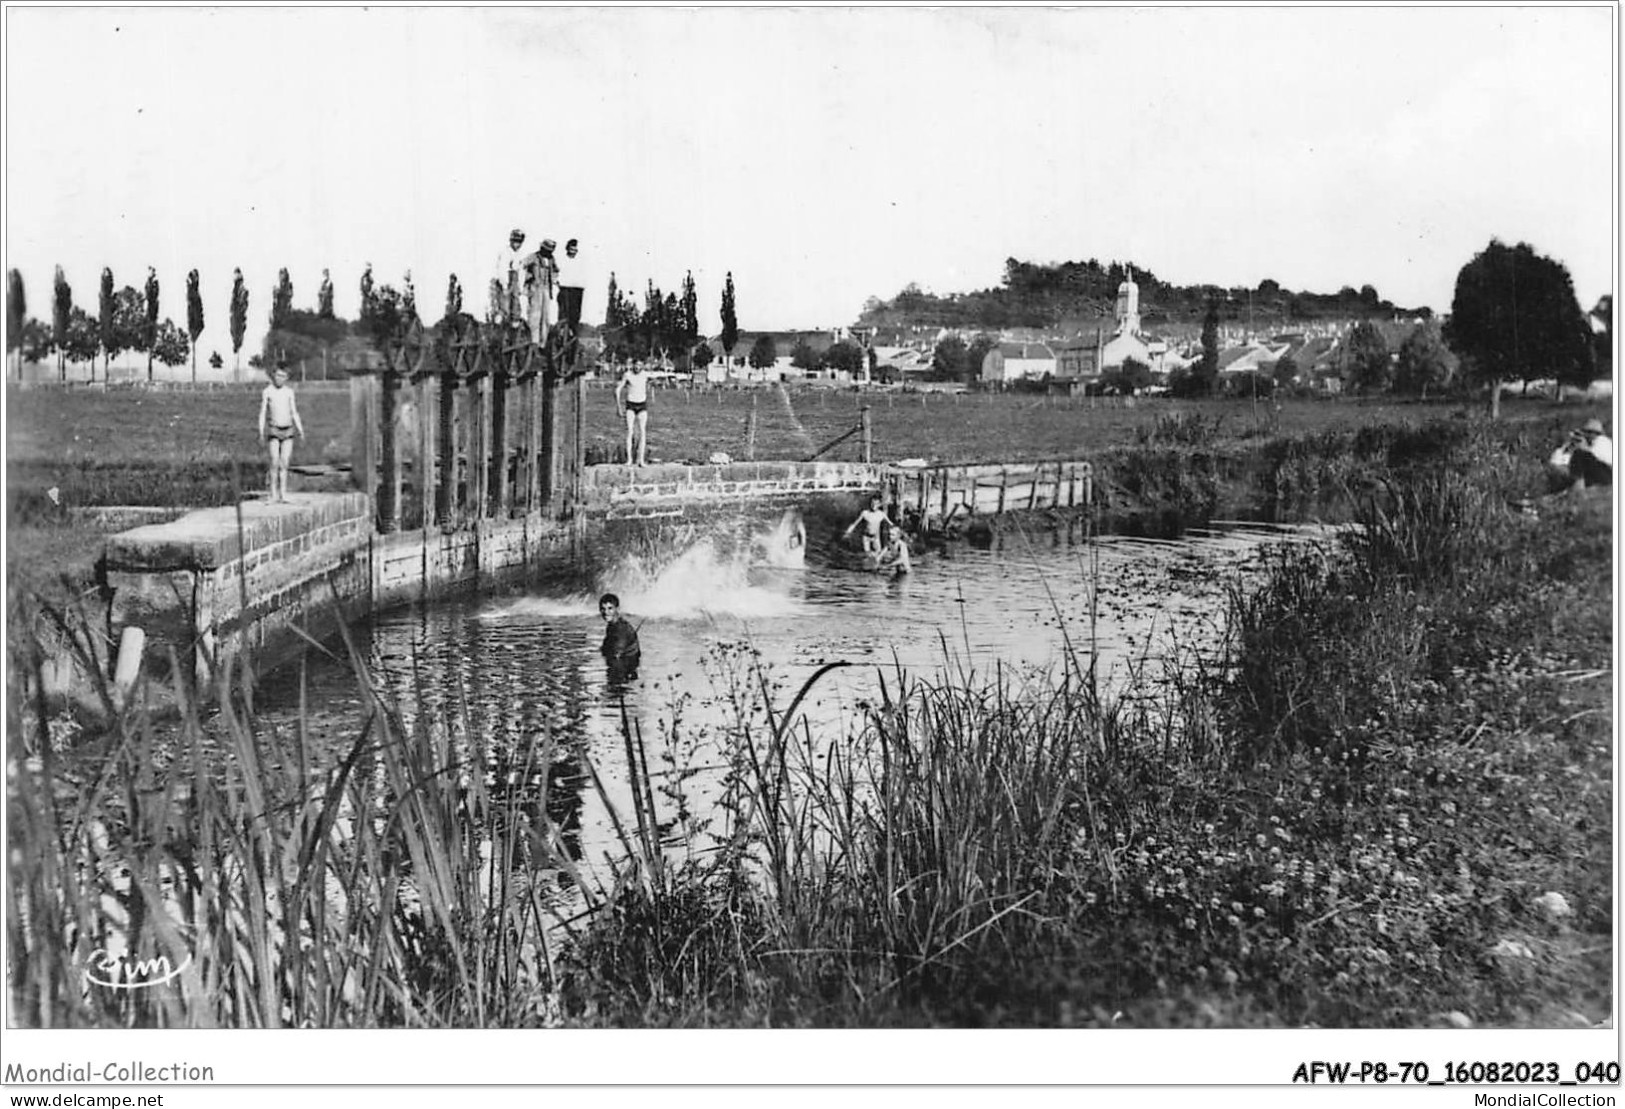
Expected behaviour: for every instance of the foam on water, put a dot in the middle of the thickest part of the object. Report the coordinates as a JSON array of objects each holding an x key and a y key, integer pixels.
[{"x": 704, "y": 580}]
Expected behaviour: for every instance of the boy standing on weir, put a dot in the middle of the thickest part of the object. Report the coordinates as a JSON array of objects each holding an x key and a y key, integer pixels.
[
  {"x": 632, "y": 398},
  {"x": 279, "y": 420}
]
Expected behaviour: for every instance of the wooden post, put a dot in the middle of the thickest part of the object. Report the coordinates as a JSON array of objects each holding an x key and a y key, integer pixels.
[
  {"x": 363, "y": 433},
  {"x": 945, "y": 483},
  {"x": 1004, "y": 480},
  {"x": 547, "y": 451},
  {"x": 750, "y": 431},
  {"x": 446, "y": 452},
  {"x": 500, "y": 503},
  {"x": 426, "y": 470},
  {"x": 478, "y": 436},
  {"x": 866, "y": 421},
  {"x": 579, "y": 454},
  {"x": 389, "y": 478}
]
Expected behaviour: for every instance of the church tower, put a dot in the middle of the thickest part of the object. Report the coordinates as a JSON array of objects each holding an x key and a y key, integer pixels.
[{"x": 1128, "y": 306}]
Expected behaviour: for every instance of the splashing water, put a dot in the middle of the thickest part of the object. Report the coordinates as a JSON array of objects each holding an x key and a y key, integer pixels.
[{"x": 706, "y": 578}]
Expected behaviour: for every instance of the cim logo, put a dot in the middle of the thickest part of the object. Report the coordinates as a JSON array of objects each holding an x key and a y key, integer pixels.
[{"x": 119, "y": 972}]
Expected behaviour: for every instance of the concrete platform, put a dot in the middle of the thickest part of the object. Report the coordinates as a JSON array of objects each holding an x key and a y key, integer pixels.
[{"x": 210, "y": 538}]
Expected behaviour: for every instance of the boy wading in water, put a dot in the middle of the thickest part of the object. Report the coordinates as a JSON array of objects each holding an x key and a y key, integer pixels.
[
  {"x": 620, "y": 648},
  {"x": 279, "y": 420}
]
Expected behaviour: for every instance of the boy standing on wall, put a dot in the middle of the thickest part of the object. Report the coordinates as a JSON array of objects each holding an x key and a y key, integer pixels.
[
  {"x": 632, "y": 398},
  {"x": 279, "y": 420}
]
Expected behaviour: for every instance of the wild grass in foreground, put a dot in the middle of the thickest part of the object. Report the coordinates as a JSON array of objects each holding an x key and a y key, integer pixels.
[{"x": 1389, "y": 806}]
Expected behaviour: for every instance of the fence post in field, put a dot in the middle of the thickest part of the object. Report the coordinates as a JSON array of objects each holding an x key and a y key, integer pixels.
[
  {"x": 866, "y": 421},
  {"x": 750, "y": 431}
]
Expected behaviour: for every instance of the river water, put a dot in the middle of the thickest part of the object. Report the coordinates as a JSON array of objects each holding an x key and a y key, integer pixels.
[{"x": 719, "y": 615}]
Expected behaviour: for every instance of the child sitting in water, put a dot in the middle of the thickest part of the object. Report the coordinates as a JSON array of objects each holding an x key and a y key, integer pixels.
[{"x": 894, "y": 554}]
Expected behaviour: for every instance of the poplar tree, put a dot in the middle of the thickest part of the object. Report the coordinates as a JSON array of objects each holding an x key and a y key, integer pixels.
[
  {"x": 239, "y": 317},
  {"x": 689, "y": 319},
  {"x": 149, "y": 332},
  {"x": 324, "y": 297},
  {"x": 730, "y": 317},
  {"x": 16, "y": 316},
  {"x": 454, "y": 298},
  {"x": 107, "y": 315},
  {"x": 61, "y": 320},
  {"x": 194, "y": 316},
  {"x": 281, "y": 299}
]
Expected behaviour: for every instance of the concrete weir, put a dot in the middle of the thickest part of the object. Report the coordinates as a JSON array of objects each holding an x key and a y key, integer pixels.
[
  {"x": 267, "y": 576},
  {"x": 213, "y": 581}
]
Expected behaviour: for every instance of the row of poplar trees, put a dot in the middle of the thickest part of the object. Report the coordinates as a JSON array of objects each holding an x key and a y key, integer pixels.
[{"x": 126, "y": 319}]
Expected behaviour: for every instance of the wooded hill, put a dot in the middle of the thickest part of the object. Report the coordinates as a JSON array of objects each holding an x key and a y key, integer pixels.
[{"x": 1079, "y": 296}]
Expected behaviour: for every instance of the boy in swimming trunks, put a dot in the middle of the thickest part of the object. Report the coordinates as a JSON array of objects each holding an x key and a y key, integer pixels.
[
  {"x": 872, "y": 519},
  {"x": 632, "y": 399},
  {"x": 279, "y": 421}
]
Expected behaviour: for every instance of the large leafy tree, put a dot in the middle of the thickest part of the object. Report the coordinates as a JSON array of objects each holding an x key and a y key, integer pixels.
[
  {"x": 239, "y": 316},
  {"x": 149, "y": 326},
  {"x": 169, "y": 344},
  {"x": 84, "y": 341},
  {"x": 37, "y": 343},
  {"x": 764, "y": 353},
  {"x": 1424, "y": 362},
  {"x": 61, "y": 319},
  {"x": 16, "y": 316},
  {"x": 1367, "y": 366},
  {"x": 1514, "y": 316},
  {"x": 730, "y": 317},
  {"x": 976, "y": 354},
  {"x": 845, "y": 357},
  {"x": 803, "y": 356},
  {"x": 105, "y": 319},
  {"x": 194, "y": 315},
  {"x": 950, "y": 360}
]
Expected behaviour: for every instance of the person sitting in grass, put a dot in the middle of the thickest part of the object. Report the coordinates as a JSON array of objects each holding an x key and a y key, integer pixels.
[
  {"x": 279, "y": 421},
  {"x": 1584, "y": 460},
  {"x": 871, "y": 519},
  {"x": 620, "y": 648}
]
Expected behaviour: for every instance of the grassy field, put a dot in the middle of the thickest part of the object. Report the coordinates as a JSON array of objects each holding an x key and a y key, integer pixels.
[{"x": 198, "y": 448}]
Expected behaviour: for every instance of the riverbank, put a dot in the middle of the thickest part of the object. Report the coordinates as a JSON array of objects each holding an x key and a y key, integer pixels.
[{"x": 1395, "y": 808}]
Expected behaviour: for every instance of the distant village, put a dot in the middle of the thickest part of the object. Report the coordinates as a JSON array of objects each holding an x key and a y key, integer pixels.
[{"x": 1054, "y": 361}]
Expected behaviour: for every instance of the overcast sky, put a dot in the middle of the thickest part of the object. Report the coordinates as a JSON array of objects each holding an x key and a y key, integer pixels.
[{"x": 822, "y": 155}]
